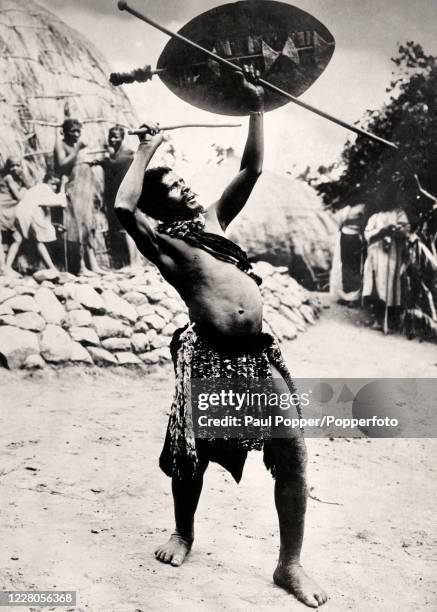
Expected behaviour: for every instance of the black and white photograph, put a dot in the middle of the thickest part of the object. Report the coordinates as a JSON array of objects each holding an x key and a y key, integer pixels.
[{"x": 218, "y": 305}]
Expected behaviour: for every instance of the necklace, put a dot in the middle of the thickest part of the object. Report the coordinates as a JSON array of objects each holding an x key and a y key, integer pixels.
[{"x": 181, "y": 228}]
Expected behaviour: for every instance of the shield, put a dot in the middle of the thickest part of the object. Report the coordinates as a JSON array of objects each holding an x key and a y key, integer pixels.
[{"x": 288, "y": 46}]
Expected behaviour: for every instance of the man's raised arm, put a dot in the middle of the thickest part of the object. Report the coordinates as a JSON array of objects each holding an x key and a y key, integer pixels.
[
  {"x": 238, "y": 191},
  {"x": 126, "y": 203}
]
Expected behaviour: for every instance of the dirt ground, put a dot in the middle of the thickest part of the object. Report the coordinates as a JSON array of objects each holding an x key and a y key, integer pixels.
[{"x": 84, "y": 503}]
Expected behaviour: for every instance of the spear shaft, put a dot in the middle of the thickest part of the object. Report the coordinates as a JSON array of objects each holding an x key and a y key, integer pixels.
[
  {"x": 124, "y": 6},
  {"x": 166, "y": 128}
]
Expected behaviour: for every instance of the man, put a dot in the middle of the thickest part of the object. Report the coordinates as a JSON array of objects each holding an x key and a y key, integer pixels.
[
  {"x": 386, "y": 234},
  {"x": 215, "y": 280},
  {"x": 347, "y": 264},
  {"x": 115, "y": 166},
  {"x": 77, "y": 178}
]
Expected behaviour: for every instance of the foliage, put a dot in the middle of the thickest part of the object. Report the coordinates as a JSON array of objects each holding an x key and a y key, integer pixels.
[
  {"x": 376, "y": 174},
  {"x": 383, "y": 177}
]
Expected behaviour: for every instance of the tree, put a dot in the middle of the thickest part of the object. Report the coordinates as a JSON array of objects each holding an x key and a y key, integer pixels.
[{"x": 375, "y": 173}]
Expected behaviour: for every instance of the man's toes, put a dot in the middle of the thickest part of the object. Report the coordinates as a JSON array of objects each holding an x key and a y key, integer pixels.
[
  {"x": 177, "y": 560},
  {"x": 309, "y": 601},
  {"x": 321, "y": 597}
]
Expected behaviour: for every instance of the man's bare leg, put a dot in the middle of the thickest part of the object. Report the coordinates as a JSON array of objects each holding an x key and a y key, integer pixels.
[
  {"x": 11, "y": 256},
  {"x": 83, "y": 268},
  {"x": 93, "y": 261},
  {"x": 134, "y": 260},
  {"x": 290, "y": 499},
  {"x": 291, "y": 494},
  {"x": 45, "y": 256},
  {"x": 186, "y": 494}
]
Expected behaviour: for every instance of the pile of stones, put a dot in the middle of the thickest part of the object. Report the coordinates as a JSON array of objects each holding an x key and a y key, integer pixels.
[{"x": 119, "y": 318}]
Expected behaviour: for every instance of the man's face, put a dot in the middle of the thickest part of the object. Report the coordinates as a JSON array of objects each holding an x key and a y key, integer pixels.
[
  {"x": 115, "y": 139},
  {"x": 15, "y": 167},
  {"x": 72, "y": 135},
  {"x": 179, "y": 201}
]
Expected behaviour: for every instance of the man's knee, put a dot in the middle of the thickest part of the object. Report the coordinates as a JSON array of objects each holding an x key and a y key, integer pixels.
[
  {"x": 196, "y": 476},
  {"x": 289, "y": 458}
]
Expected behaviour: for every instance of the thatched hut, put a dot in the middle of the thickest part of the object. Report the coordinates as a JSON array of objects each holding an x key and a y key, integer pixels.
[
  {"x": 46, "y": 68},
  {"x": 50, "y": 71},
  {"x": 283, "y": 223}
]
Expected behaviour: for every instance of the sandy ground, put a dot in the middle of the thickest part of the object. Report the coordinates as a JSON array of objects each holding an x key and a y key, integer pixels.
[{"x": 84, "y": 503}]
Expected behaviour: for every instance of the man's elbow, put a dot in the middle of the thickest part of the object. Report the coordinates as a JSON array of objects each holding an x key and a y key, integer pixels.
[
  {"x": 253, "y": 171},
  {"x": 119, "y": 207},
  {"x": 123, "y": 212}
]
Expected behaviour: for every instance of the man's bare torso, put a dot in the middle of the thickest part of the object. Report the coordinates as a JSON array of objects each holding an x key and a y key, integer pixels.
[{"x": 221, "y": 299}]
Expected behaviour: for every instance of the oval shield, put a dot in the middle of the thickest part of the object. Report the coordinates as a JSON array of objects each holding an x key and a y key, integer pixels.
[{"x": 288, "y": 46}]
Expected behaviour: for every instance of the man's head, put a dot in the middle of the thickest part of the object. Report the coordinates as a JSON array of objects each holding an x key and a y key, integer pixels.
[
  {"x": 13, "y": 166},
  {"x": 165, "y": 196},
  {"x": 72, "y": 129},
  {"x": 115, "y": 137}
]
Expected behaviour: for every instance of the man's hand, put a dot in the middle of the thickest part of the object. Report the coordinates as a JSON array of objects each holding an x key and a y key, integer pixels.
[
  {"x": 246, "y": 86},
  {"x": 81, "y": 145},
  {"x": 152, "y": 134}
]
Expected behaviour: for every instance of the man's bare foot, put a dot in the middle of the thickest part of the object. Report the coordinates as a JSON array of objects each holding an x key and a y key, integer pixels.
[
  {"x": 86, "y": 272},
  {"x": 293, "y": 579},
  {"x": 97, "y": 270},
  {"x": 175, "y": 550}
]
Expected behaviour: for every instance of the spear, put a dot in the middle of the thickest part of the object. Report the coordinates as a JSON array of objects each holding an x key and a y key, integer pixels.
[
  {"x": 124, "y": 6},
  {"x": 166, "y": 128}
]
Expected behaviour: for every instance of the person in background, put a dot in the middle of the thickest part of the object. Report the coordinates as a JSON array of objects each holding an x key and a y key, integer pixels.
[
  {"x": 77, "y": 179},
  {"x": 386, "y": 235},
  {"x": 115, "y": 165},
  {"x": 34, "y": 218},
  {"x": 13, "y": 186},
  {"x": 347, "y": 265}
]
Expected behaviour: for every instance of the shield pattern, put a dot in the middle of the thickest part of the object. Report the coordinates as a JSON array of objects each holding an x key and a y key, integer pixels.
[{"x": 288, "y": 46}]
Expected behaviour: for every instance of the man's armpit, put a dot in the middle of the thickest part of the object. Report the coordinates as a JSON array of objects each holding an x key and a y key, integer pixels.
[{"x": 141, "y": 231}]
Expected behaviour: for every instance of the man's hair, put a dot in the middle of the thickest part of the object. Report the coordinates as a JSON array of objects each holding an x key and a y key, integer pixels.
[
  {"x": 11, "y": 161},
  {"x": 70, "y": 124},
  {"x": 117, "y": 128},
  {"x": 153, "y": 191}
]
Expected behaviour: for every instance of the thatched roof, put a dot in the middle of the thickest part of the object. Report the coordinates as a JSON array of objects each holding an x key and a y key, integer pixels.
[
  {"x": 45, "y": 64},
  {"x": 283, "y": 218}
]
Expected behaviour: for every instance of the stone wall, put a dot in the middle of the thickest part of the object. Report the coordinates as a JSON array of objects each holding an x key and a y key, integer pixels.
[{"x": 119, "y": 318}]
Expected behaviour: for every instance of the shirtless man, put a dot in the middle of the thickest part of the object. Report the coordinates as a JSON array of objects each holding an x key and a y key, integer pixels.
[
  {"x": 77, "y": 179},
  {"x": 115, "y": 166},
  {"x": 223, "y": 302}
]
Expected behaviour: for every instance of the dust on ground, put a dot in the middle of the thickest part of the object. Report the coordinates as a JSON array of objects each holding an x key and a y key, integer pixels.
[{"x": 84, "y": 503}]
